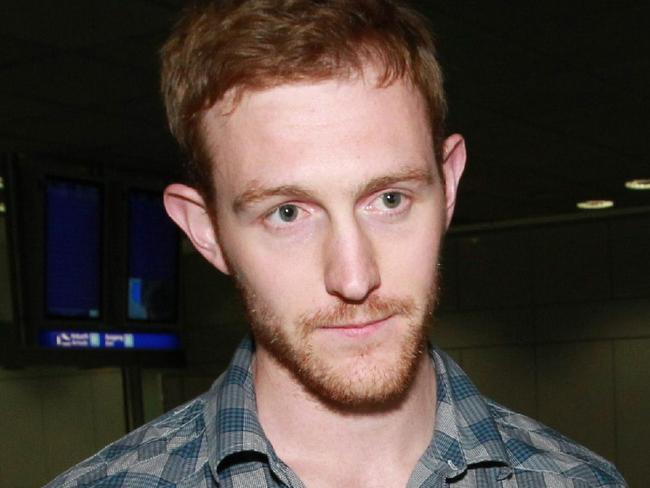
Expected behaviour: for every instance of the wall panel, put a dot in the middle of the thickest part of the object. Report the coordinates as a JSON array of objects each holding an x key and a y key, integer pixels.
[
  {"x": 632, "y": 409},
  {"x": 506, "y": 374},
  {"x": 576, "y": 393}
]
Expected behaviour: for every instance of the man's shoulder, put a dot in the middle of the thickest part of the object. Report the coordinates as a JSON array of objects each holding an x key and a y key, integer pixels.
[
  {"x": 161, "y": 453},
  {"x": 536, "y": 450}
]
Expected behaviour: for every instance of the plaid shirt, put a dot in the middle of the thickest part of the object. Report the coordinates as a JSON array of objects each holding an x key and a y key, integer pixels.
[{"x": 217, "y": 441}]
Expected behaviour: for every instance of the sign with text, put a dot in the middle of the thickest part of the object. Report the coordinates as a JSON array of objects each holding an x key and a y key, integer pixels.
[{"x": 75, "y": 339}]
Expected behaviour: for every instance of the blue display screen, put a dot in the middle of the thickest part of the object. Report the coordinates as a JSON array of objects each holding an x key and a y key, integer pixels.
[
  {"x": 153, "y": 259},
  {"x": 78, "y": 339},
  {"x": 73, "y": 243}
]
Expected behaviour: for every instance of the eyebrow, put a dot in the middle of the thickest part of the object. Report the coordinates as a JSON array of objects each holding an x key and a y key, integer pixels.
[
  {"x": 255, "y": 193},
  {"x": 407, "y": 174}
]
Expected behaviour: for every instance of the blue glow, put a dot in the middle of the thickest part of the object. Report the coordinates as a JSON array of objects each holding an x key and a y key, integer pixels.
[
  {"x": 83, "y": 339},
  {"x": 135, "y": 285},
  {"x": 153, "y": 259},
  {"x": 73, "y": 271}
]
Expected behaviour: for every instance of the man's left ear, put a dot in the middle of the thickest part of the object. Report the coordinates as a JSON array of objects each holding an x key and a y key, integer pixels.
[{"x": 454, "y": 154}]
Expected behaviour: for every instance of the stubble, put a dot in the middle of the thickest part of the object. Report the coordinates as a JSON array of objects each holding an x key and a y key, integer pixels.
[{"x": 360, "y": 382}]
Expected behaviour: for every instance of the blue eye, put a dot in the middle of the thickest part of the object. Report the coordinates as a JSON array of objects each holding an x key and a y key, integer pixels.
[
  {"x": 391, "y": 199},
  {"x": 288, "y": 213}
]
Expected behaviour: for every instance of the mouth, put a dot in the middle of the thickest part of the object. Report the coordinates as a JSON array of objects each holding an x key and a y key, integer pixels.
[{"x": 357, "y": 329}]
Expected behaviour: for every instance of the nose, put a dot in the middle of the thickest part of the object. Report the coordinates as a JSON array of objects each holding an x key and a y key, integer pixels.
[{"x": 351, "y": 271}]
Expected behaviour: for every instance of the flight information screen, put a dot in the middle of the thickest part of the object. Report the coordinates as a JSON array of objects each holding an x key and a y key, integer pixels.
[
  {"x": 153, "y": 259},
  {"x": 73, "y": 249}
]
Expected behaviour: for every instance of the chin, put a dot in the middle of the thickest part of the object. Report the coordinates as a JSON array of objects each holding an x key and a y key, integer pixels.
[
  {"x": 375, "y": 377},
  {"x": 362, "y": 383},
  {"x": 373, "y": 372}
]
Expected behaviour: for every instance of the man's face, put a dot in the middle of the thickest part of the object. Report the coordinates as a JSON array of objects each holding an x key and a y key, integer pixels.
[{"x": 330, "y": 213}]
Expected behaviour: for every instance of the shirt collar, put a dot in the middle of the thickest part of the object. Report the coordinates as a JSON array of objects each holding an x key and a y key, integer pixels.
[
  {"x": 232, "y": 424},
  {"x": 465, "y": 432}
]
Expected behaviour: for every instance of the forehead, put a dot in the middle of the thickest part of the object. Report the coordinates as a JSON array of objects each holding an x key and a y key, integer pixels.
[{"x": 307, "y": 129}]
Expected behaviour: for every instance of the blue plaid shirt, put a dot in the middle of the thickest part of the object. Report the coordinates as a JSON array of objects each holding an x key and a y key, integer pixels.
[{"x": 217, "y": 441}]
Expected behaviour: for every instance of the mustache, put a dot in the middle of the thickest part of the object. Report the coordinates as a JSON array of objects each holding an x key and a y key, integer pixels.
[{"x": 374, "y": 308}]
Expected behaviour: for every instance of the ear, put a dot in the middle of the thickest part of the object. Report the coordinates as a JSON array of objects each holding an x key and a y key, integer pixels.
[
  {"x": 452, "y": 167},
  {"x": 186, "y": 207}
]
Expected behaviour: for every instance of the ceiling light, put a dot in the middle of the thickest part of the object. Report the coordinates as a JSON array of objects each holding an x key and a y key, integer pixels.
[
  {"x": 595, "y": 204},
  {"x": 3, "y": 208},
  {"x": 640, "y": 184}
]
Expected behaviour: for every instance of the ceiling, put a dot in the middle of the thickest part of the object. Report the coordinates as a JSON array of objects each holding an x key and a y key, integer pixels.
[{"x": 552, "y": 96}]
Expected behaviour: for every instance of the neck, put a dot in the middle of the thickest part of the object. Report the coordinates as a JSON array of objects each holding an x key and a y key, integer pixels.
[{"x": 314, "y": 438}]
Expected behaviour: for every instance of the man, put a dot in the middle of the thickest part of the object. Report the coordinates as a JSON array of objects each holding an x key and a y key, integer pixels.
[{"x": 323, "y": 184}]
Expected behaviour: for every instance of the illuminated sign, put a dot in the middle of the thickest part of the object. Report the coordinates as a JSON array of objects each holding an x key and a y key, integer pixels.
[{"x": 75, "y": 339}]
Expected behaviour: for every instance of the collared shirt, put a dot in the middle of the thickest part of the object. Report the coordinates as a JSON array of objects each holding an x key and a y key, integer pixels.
[{"x": 216, "y": 440}]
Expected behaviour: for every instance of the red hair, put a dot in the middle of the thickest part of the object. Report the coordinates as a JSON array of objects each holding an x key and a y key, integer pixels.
[{"x": 240, "y": 45}]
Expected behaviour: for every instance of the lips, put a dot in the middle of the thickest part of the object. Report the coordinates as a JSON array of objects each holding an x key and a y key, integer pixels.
[
  {"x": 358, "y": 328},
  {"x": 359, "y": 325}
]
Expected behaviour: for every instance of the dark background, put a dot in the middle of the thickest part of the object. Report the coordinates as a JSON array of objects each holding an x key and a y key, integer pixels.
[{"x": 552, "y": 96}]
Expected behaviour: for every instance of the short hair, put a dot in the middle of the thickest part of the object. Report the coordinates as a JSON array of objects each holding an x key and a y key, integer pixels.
[{"x": 222, "y": 45}]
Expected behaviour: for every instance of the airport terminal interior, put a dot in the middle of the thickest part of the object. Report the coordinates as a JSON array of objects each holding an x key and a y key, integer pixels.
[{"x": 545, "y": 295}]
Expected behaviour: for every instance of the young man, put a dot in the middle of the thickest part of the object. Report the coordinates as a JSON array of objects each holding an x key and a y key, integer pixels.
[{"x": 323, "y": 185}]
